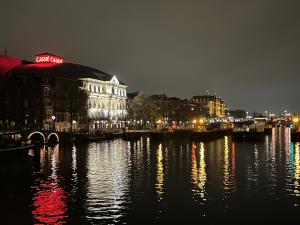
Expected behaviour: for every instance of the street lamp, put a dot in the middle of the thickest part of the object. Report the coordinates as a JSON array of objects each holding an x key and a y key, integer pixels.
[
  {"x": 26, "y": 121},
  {"x": 12, "y": 125},
  {"x": 53, "y": 119},
  {"x": 73, "y": 123}
]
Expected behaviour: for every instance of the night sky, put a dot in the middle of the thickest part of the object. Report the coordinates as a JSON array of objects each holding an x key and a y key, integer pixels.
[{"x": 247, "y": 52}]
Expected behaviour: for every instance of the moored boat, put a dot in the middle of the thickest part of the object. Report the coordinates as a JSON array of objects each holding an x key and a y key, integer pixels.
[{"x": 11, "y": 145}]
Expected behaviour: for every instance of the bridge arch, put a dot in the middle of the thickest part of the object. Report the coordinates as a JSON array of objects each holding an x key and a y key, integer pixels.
[
  {"x": 53, "y": 138},
  {"x": 36, "y": 136}
]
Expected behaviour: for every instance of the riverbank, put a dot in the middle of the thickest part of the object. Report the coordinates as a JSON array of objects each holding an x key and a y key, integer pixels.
[{"x": 132, "y": 135}]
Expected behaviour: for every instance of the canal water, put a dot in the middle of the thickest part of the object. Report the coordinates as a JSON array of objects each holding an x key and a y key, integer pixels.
[{"x": 151, "y": 182}]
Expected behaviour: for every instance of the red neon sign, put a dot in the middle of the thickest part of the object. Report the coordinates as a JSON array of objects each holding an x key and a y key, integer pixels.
[{"x": 48, "y": 58}]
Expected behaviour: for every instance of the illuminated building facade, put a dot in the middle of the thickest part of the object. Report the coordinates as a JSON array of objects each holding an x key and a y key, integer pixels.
[
  {"x": 106, "y": 102},
  {"x": 32, "y": 95},
  {"x": 208, "y": 106}
]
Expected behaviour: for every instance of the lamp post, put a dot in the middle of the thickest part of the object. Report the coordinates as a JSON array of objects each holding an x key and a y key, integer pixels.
[
  {"x": 53, "y": 119},
  {"x": 12, "y": 125},
  {"x": 6, "y": 125},
  {"x": 98, "y": 124},
  {"x": 73, "y": 124},
  {"x": 26, "y": 121}
]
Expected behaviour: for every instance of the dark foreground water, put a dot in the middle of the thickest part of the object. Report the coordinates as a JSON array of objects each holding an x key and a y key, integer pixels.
[{"x": 150, "y": 182}]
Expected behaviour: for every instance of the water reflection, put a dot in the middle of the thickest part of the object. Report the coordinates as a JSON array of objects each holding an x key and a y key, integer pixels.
[
  {"x": 108, "y": 181},
  {"x": 202, "y": 172},
  {"x": 49, "y": 200},
  {"x": 233, "y": 167},
  {"x": 297, "y": 171},
  {"x": 198, "y": 171},
  {"x": 117, "y": 182},
  {"x": 74, "y": 176},
  {"x": 160, "y": 173},
  {"x": 226, "y": 165}
]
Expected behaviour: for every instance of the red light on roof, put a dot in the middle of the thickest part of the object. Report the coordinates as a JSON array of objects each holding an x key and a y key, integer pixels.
[{"x": 48, "y": 58}]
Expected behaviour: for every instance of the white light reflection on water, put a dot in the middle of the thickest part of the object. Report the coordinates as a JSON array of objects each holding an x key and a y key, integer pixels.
[
  {"x": 270, "y": 164},
  {"x": 74, "y": 179},
  {"x": 160, "y": 173},
  {"x": 198, "y": 172},
  {"x": 297, "y": 171},
  {"x": 108, "y": 181},
  {"x": 229, "y": 168}
]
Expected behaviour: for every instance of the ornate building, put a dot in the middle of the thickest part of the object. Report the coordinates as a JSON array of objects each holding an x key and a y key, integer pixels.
[
  {"x": 208, "y": 106},
  {"x": 106, "y": 102},
  {"x": 34, "y": 95}
]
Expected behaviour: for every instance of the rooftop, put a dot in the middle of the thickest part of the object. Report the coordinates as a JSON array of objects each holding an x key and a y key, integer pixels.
[{"x": 14, "y": 67}]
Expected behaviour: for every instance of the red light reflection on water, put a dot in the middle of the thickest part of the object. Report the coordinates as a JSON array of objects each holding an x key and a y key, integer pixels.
[{"x": 49, "y": 204}]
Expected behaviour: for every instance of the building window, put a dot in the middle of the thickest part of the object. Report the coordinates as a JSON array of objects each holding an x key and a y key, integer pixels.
[{"x": 46, "y": 91}]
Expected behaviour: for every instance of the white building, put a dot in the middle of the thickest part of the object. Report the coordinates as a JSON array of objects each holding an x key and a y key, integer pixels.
[{"x": 106, "y": 102}]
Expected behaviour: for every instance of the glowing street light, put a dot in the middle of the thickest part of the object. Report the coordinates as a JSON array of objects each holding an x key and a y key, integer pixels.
[
  {"x": 53, "y": 119},
  {"x": 158, "y": 124}
]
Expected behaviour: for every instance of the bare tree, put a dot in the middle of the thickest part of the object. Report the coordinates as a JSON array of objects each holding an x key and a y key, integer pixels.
[{"x": 76, "y": 101}]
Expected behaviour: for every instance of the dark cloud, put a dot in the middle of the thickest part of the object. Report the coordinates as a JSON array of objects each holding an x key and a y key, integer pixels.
[{"x": 245, "y": 51}]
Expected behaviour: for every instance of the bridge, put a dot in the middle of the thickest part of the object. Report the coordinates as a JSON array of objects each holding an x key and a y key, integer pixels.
[{"x": 42, "y": 137}]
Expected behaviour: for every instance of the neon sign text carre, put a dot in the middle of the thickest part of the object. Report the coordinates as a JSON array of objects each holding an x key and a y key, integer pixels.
[{"x": 48, "y": 58}]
